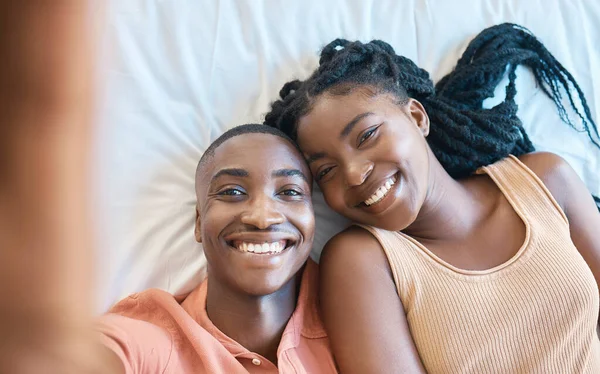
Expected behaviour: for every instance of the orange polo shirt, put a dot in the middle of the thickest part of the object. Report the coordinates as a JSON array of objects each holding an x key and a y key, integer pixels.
[{"x": 154, "y": 332}]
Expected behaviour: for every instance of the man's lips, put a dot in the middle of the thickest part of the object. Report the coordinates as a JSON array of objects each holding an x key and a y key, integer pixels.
[{"x": 259, "y": 243}]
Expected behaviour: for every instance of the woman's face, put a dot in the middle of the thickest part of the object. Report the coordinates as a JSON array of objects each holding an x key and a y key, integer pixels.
[{"x": 369, "y": 156}]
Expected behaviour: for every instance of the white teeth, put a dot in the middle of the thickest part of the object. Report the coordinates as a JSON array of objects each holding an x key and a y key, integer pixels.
[
  {"x": 274, "y": 247},
  {"x": 381, "y": 191}
]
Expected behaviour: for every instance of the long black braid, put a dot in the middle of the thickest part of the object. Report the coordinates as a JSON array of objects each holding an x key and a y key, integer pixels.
[{"x": 463, "y": 135}]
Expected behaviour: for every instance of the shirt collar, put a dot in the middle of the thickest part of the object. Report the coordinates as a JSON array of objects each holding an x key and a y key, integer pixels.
[{"x": 305, "y": 320}]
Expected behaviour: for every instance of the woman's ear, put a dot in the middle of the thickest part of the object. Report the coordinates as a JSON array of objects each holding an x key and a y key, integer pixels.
[
  {"x": 418, "y": 113},
  {"x": 197, "y": 232}
]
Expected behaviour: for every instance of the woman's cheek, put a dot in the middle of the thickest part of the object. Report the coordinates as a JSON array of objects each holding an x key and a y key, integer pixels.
[{"x": 333, "y": 199}]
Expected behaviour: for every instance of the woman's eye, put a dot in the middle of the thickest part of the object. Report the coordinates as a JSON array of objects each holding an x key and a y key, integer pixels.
[
  {"x": 323, "y": 173},
  {"x": 231, "y": 192},
  {"x": 366, "y": 136}
]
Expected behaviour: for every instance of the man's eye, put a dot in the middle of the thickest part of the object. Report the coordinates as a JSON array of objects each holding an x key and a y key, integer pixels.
[
  {"x": 231, "y": 192},
  {"x": 290, "y": 193}
]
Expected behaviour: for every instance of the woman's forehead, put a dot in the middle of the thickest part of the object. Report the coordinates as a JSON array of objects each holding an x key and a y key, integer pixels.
[
  {"x": 340, "y": 109},
  {"x": 334, "y": 117}
]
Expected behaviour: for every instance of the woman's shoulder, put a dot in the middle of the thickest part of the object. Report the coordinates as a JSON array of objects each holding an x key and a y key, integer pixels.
[
  {"x": 355, "y": 238},
  {"x": 554, "y": 172},
  {"x": 544, "y": 164},
  {"x": 355, "y": 247}
]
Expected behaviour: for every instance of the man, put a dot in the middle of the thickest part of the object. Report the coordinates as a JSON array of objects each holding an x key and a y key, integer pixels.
[
  {"x": 260, "y": 301},
  {"x": 257, "y": 311}
]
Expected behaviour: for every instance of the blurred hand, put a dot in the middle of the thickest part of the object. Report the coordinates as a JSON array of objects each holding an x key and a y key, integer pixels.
[{"x": 45, "y": 238}]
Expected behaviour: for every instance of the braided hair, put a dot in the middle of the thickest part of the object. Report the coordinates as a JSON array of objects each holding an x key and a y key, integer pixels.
[{"x": 463, "y": 135}]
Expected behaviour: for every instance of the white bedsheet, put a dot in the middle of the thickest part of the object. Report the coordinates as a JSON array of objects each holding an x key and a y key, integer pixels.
[{"x": 177, "y": 73}]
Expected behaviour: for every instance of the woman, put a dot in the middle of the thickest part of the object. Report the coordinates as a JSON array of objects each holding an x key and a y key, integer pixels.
[{"x": 471, "y": 253}]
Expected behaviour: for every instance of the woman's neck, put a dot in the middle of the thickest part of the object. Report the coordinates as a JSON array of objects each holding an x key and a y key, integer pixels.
[
  {"x": 452, "y": 209},
  {"x": 256, "y": 322}
]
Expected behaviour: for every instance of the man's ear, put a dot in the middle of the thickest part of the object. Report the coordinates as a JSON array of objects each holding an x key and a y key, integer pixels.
[
  {"x": 197, "y": 232},
  {"x": 419, "y": 115}
]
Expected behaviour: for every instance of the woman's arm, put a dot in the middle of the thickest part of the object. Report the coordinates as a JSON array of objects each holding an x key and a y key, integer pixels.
[
  {"x": 575, "y": 200},
  {"x": 362, "y": 312}
]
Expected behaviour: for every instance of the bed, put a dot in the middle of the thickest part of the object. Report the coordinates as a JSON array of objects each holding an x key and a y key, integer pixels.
[{"x": 175, "y": 74}]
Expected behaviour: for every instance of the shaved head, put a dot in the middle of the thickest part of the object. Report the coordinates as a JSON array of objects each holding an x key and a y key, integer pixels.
[{"x": 236, "y": 131}]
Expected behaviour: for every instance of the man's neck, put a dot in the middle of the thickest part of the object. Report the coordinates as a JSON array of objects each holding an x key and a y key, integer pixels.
[{"x": 256, "y": 322}]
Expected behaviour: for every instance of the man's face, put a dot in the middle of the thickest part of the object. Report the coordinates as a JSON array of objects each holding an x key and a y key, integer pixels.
[{"x": 255, "y": 215}]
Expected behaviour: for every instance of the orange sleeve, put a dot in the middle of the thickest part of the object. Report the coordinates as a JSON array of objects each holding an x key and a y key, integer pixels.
[{"x": 141, "y": 346}]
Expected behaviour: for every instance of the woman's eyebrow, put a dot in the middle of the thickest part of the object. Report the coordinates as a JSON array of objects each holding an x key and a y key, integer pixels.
[
  {"x": 348, "y": 128},
  {"x": 314, "y": 157}
]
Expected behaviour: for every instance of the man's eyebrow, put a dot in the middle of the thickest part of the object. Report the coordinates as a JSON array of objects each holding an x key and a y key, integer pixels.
[
  {"x": 233, "y": 172},
  {"x": 289, "y": 173},
  {"x": 348, "y": 128}
]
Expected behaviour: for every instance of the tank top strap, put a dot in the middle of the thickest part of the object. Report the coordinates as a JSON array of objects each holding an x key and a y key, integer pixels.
[{"x": 524, "y": 190}]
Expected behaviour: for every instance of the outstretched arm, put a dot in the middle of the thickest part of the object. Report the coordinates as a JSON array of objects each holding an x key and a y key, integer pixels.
[{"x": 45, "y": 239}]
